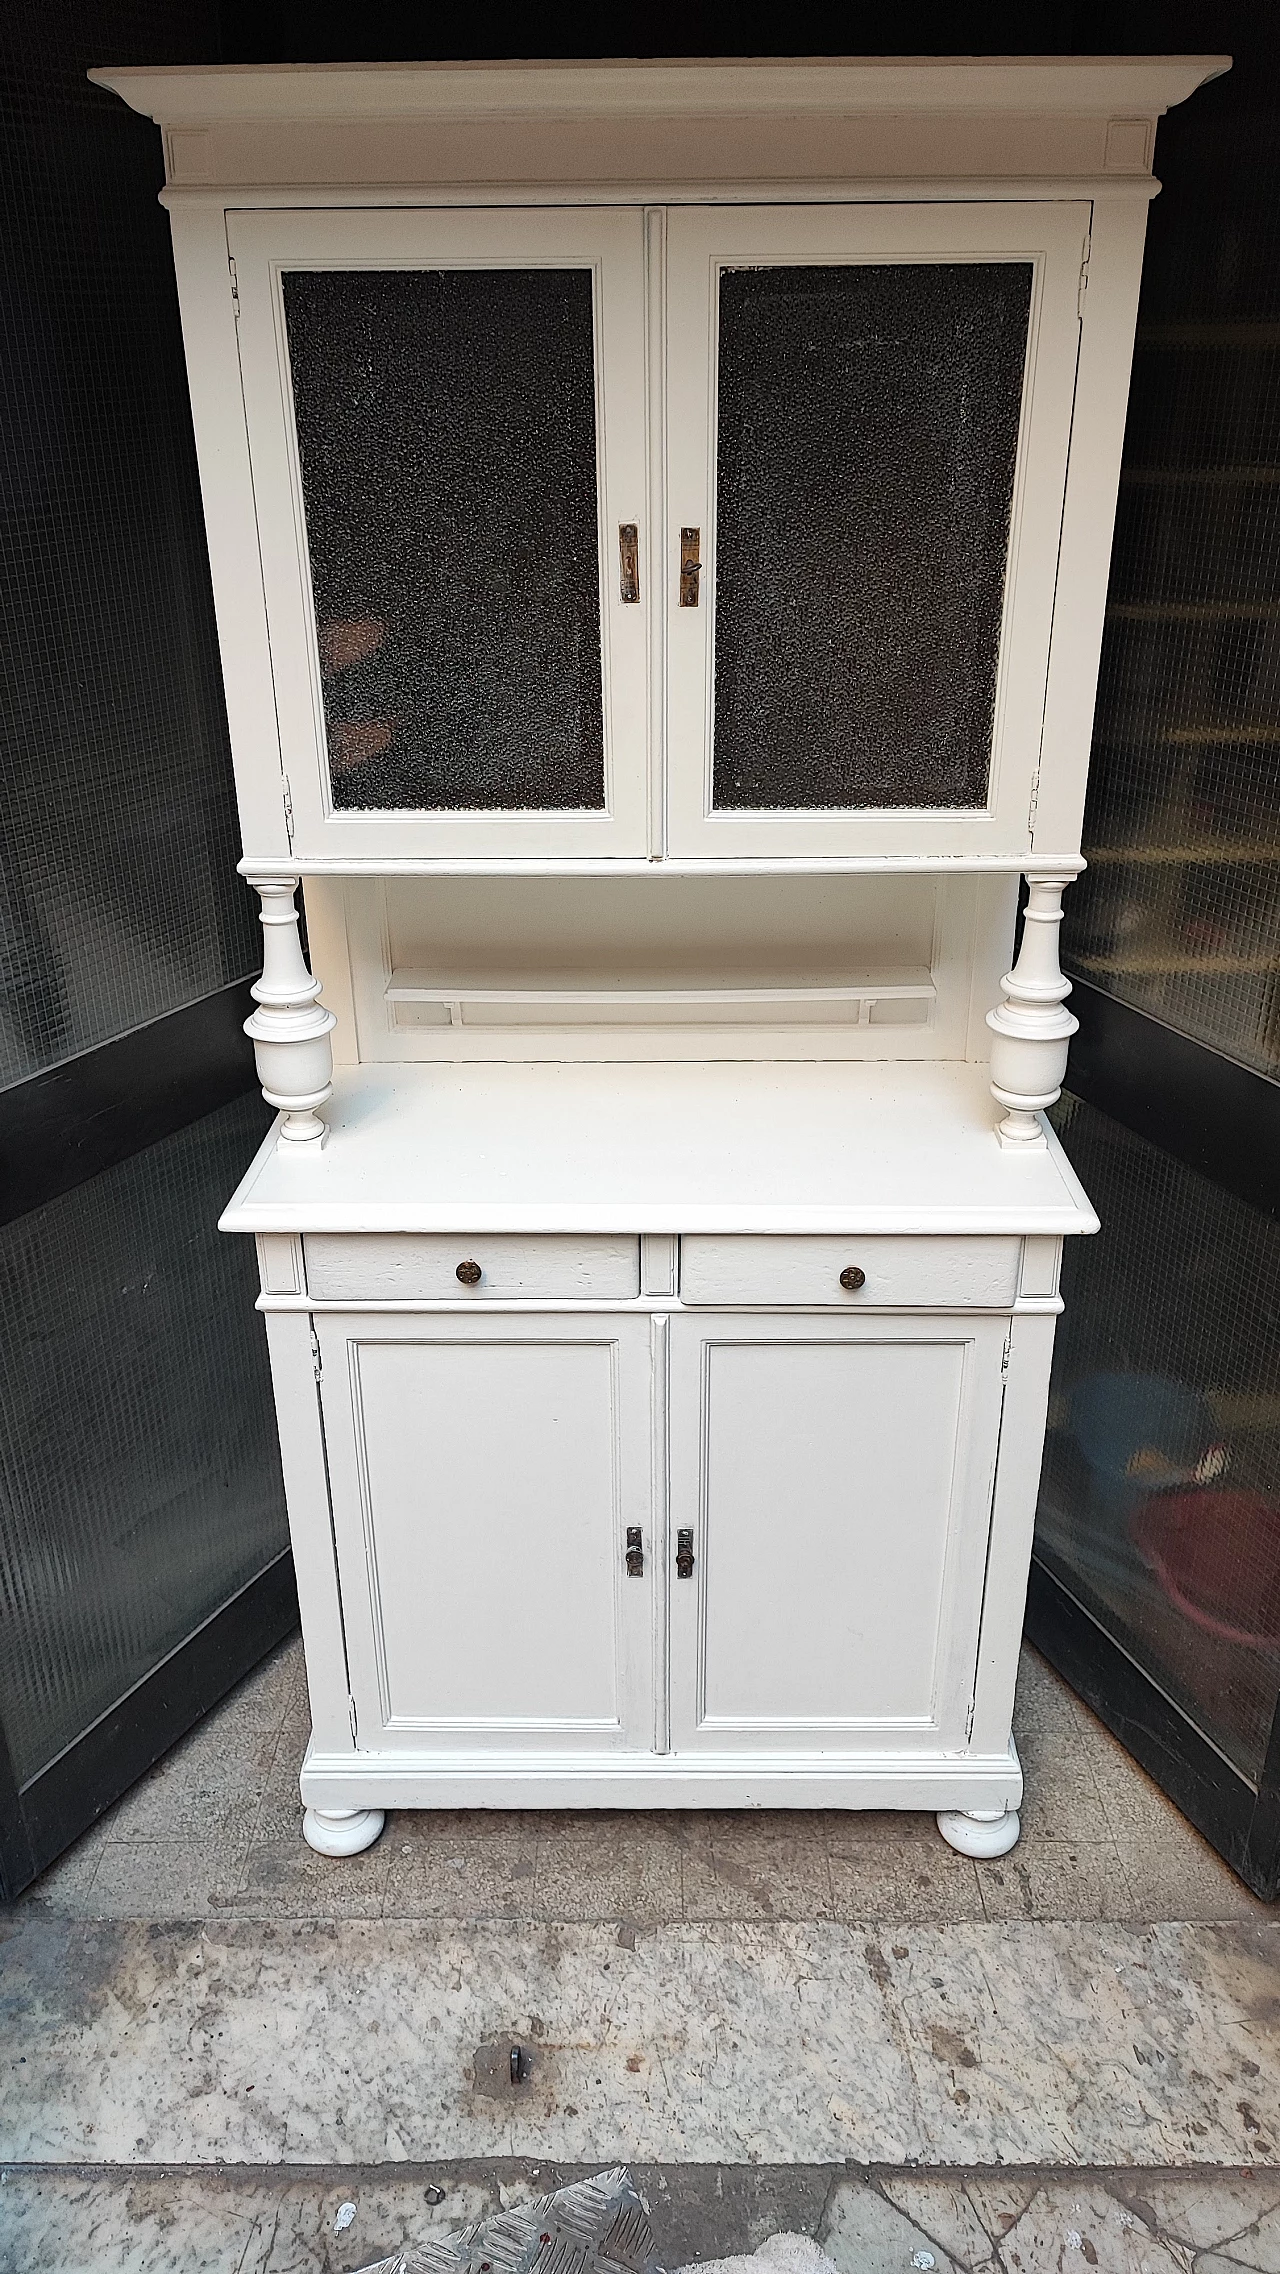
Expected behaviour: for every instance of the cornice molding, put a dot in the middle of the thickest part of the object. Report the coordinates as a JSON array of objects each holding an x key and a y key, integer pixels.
[{"x": 1039, "y": 86}]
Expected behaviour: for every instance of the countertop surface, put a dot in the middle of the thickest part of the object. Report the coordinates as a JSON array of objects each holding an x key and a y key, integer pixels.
[{"x": 751, "y": 1147}]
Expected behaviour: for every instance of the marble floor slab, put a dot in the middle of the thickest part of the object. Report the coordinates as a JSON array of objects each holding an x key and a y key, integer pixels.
[
  {"x": 1014, "y": 2222},
  {"x": 374, "y": 2041}
]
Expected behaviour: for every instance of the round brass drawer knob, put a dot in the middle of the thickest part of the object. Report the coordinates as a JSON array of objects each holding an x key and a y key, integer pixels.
[
  {"x": 470, "y": 1274},
  {"x": 851, "y": 1279}
]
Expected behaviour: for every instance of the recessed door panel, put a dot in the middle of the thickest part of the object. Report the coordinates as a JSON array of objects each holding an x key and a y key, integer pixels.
[
  {"x": 836, "y": 1481},
  {"x": 446, "y": 418},
  {"x": 484, "y": 1483},
  {"x": 869, "y": 413}
]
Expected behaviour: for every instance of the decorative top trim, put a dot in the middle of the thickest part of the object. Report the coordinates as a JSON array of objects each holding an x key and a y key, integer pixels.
[{"x": 1040, "y": 86}]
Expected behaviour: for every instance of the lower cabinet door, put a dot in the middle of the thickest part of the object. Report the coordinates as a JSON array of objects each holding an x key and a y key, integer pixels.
[
  {"x": 484, "y": 1474},
  {"x": 834, "y": 1478}
]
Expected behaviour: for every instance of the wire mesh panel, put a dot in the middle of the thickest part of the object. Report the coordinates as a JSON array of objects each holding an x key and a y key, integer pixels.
[
  {"x": 1160, "y": 1498},
  {"x": 140, "y": 1481}
]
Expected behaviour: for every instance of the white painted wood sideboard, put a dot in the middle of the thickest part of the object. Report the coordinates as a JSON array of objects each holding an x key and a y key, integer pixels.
[{"x": 660, "y": 518}]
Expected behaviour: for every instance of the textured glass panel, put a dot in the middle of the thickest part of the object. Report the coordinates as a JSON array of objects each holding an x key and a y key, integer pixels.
[
  {"x": 868, "y": 430},
  {"x": 1160, "y": 1495},
  {"x": 446, "y": 428},
  {"x": 139, "y": 1476},
  {"x": 1179, "y": 910},
  {"x": 119, "y": 899}
]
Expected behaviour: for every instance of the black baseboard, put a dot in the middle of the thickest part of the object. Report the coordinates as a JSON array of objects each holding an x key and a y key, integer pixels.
[
  {"x": 1213, "y": 1114},
  {"x": 1243, "y": 1825},
  {"x": 85, "y": 1115},
  {"x": 40, "y": 1821}
]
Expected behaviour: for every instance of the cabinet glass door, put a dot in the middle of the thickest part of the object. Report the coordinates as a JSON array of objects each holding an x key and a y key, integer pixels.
[
  {"x": 869, "y": 413},
  {"x": 832, "y": 1480},
  {"x": 451, "y": 527}
]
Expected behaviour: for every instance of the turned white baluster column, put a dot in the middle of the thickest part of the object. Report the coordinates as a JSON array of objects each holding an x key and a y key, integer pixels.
[
  {"x": 289, "y": 1030},
  {"x": 1031, "y": 1029}
]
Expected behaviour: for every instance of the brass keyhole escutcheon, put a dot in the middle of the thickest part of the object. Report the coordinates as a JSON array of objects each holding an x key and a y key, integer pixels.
[
  {"x": 469, "y": 1273},
  {"x": 851, "y": 1279},
  {"x": 628, "y": 562}
]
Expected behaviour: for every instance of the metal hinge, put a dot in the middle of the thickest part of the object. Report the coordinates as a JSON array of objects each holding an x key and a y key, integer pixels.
[
  {"x": 1008, "y": 1350},
  {"x": 968, "y": 1720},
  {"x": 288, "y": 809},
  {"x": 351, "y": 1716},
  {"x": 316, "y": 1360},
  {"x": 1084, "y": 278},
  {"x": 235, "y": 289}
]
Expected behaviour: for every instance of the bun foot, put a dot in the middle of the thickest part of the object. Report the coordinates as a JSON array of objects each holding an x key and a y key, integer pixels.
[
  {"x": 341, "y": 1831},
  {"x": 980, "y": 1832}
]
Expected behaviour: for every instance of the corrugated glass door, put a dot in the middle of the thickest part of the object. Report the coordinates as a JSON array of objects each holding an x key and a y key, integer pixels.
[
  {"x": 447, "y": 426},
  {"x": 869, "y": 410}
]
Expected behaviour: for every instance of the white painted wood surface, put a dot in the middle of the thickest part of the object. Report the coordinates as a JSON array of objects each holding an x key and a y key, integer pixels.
[
  {"x": 835, "y": 1477},
  {"x": 930, "y": 87},
  {"x": 660, "y": 966},
  {"x": 610, "y": 246},
  {"x": 483, "y": 1480},
  {"x": 290, "y": 1028},
  {"x": 753, "y": 1147},
  {"x": 364, "y": 1267},
  {"x": 702, "y": 242},
  {"x": 1031, "y": 1028},
  {"x": 934, "y": 1273},
  {"x": 582, "y": 127}
]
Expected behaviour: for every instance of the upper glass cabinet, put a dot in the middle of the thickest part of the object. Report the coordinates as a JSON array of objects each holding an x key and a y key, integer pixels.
[
  {"x": 869, "y": 413},
  {"x": 447, "y": 426},
  {"x": 837, "y": 644}
]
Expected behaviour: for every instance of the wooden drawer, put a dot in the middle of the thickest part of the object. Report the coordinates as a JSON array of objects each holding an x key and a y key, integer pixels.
[
  {"x": 918, "y": 1273},
  {"x": 370, "y": 1267}
]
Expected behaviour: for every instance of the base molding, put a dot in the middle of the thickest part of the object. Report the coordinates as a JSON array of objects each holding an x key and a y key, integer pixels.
[{"x": 929, "y": 1782}]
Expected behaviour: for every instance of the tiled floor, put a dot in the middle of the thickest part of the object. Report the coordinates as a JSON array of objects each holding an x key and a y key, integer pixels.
[
  {"x": 716, "y": 1991},
  {"x": 874, "y": 2223},
  {"x": 214, "y": 1831}
]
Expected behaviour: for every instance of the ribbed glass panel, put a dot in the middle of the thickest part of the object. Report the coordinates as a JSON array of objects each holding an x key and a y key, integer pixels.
[
  {"x": 1160, "y": 1497},
  {"x": 1179, "y": 911},
  {"x": 118, "y": 894},
  {"x": 139, "y": 1476}
]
